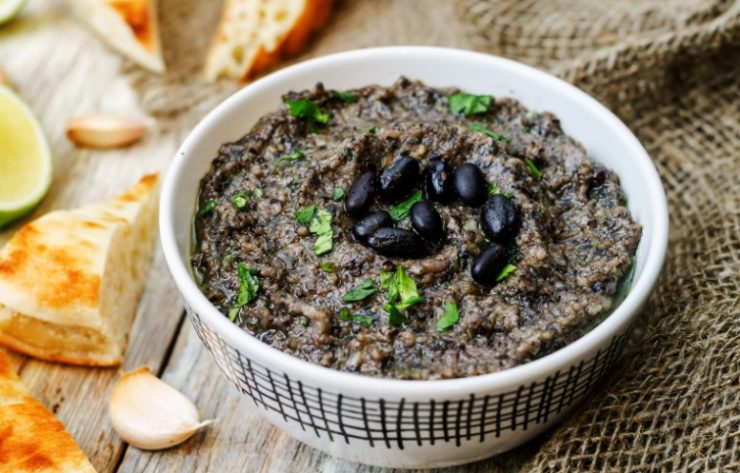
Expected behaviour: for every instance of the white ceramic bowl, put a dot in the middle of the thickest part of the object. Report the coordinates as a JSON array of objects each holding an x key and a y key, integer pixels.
[{"x": 416, "y": 423}]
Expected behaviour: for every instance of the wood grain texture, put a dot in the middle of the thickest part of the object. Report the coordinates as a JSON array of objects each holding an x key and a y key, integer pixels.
[{"x": 62, "y": 70}]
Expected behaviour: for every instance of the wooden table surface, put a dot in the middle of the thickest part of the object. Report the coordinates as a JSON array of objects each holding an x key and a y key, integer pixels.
[{"x": 62, "y": 70}]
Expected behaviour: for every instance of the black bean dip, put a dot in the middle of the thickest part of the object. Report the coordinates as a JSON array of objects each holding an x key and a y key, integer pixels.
[{"x": 291, "y": 243}]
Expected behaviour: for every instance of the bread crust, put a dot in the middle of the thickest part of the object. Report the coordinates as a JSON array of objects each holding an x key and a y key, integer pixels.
[
  {"x": 231, "y": 57},
  {"x": 31, "y": 439}
]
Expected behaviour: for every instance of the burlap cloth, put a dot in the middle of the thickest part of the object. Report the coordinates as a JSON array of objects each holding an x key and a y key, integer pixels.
[{"x": 671, "y": 70}]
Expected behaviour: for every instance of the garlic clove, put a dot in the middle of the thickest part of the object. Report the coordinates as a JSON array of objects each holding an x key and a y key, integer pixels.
[
  {"x": 104, "y": 131},
  {"x": 149, "y": 413}
]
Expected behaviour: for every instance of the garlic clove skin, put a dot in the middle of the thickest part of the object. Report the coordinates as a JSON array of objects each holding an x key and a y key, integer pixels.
[
  {"x": 104, "y": 131},
  {"x": 149, "y": 413}
]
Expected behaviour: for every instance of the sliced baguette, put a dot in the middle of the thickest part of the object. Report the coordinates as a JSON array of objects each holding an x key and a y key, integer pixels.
[
  {"x": 31, "y": 439},
  {"x": 128, "y": 26},
  {"x": 71, "y": 280},
  {"x": 254, "y": 35}
]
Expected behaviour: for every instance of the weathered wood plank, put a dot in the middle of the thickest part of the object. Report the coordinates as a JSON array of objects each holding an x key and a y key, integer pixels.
[{"x": 61, "y": 70}]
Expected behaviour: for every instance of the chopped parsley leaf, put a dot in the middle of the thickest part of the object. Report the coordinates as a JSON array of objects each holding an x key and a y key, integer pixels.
[
  {"x": 372, "y": 128},
  {"x": 363, "y": 291},
  {"x": 395, "y": 317},
  {"x": 450, "y": 316},
  {"x": 345, "y": 96},
  {"x": 323, "y": 244},
  {"x": 338, "y": 194},
  {"x": 468, "y": 104},
  {"x": 494, "y": 189},
  {"x": 401, "y": 210},
  {"x": 320, "y": 223},
  {"x": 249, "y": 285},
  {"x": 401, "y": 289},
  {"x": 241, "y": 199},
  {"x": 480, "y": 128},
  {"x": 533, "y": 168},
  {"x": 365, "y": 320},
  {"x": 508, "y": 269},
  {"x": 293, "y": 156},
  {"x": 309, "y": 111},
  {"x": 305, "y": 214},
  {"x": 206, "y": 209},
  {"x": 328, "y": 267}
]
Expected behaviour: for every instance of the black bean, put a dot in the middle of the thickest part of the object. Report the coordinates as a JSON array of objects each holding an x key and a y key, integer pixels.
[
  {"x": 470, "y": 185},
  {"x": 488, "y": 264},
  {"x": 440, "y": 185},
  {"x": 399, "y": 180},
  {"x": 369, "y": 224},
  {"x": 360, "y": 194},
  {"x": 426, "y": 221},
  {"x": 499, "y": 219},
  {"x": 397, "y": 243}
]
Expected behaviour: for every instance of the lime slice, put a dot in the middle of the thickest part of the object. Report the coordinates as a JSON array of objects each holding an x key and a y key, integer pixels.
[
  {"x": 25, "y": 158},
  {"x": 9, "y": 9}
]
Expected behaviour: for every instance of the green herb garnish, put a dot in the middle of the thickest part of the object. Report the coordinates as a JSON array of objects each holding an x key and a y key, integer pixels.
[
  {"x": 323, "y": 244},
  {"x": 249, "y": 284},
  {"x": 328, "y": 267},
  {"x": 241, "y": 199},
  {"x": 494, "y": 189},
  {"x": 372, "y": 128},
  {"x": 305, "y": 214},
  {"x": 401, "y": 210},
  {"x": 309, "y": 111},
  {"x": 345, "y": 96},
  {"x": 508, "y": 269},
  {"x": 480, "y": 128},
  {"x": 293, "y": 156},
  {"x": 206, "y": 209},
  {"x": 365, "y": 320},
  {"x": 320, "y": 223},
  {"x": 363, "y": 291},
  {"x": 450, "y": 316},
  {"x": 468, "y": 104},
  {"x": 338, "y": 194},
  {"x": 395, "y": 317},
  {"x": 533, "y": 168},
  {"x": 401, "y": 289}
]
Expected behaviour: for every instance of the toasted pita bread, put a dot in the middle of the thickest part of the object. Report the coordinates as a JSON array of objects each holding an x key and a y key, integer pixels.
[
  {"x": 70, "y": 281},
  {"x": 255, "y": 34},
  {"x": 31, "y": 439},
  {"x": 128, "y": 26}
]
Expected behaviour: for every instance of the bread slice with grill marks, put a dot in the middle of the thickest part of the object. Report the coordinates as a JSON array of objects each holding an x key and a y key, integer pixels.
[{"x": 70, "y": 281}]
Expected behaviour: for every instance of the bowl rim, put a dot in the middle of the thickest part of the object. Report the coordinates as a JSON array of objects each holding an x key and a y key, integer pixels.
[{"x": 600, "y": 335}]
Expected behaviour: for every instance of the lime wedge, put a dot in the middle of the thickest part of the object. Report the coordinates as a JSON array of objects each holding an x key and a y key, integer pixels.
[
  {"x": 9, "y": 9},
  {"x": 25, "y": 158}
]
